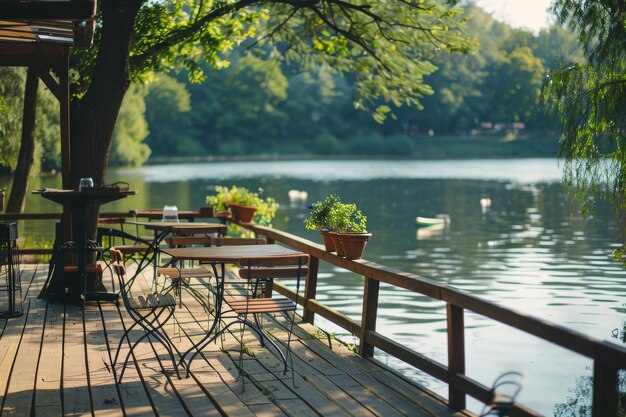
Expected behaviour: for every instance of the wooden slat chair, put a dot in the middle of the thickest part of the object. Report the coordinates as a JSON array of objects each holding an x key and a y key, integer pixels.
[
  {"x": 148, "y": 311},
  {"x": 267, "y": 269}
]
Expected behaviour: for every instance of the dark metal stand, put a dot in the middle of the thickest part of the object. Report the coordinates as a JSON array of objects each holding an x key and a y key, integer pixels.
[{"x": 10, "y": 273}]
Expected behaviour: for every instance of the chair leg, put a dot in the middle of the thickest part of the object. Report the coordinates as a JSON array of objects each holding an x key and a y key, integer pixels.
[
  {"x": 241, "y": 374},
  {"x": 151, "y": 330}
]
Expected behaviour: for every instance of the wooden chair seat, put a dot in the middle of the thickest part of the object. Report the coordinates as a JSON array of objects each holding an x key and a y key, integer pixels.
[
  {"x": 261, "y": 305},
  {"x": 151, "y": 301},
  {"x": 193, "y": 272},
  {"x": 132, "y": 249}
]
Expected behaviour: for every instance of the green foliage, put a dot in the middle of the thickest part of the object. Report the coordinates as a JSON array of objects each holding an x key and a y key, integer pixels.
[
  {"x": 387, "y": 44},
  {"x": 167, "y": 114},
  {"x": 320, "y": 213},
  {"x": 399, "y": 145},
  {"x": 224, "y": 197},
  {"x": 220, "y": 200},
  {"x": 47, "y": 151},
  {"x": 12, "y": 91},
  {"x": 236, "y": 110},
  {"x": 130, "y": 131},
  {"x": 590, "y": 100},
  {"x": 326, "y": 143},
  {"x": 346, "y": 218},
  {"x": 519, "y": 77}
]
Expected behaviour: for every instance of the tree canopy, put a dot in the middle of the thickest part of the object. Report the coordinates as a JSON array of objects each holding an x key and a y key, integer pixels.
[{"x": 257, "y": 98}]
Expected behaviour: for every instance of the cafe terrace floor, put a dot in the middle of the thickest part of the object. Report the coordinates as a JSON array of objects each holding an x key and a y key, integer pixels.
[{"x": 55, "y": 361}]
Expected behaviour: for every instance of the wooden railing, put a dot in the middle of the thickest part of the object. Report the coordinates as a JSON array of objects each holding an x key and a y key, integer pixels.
[{"x": 608, "y": 358}]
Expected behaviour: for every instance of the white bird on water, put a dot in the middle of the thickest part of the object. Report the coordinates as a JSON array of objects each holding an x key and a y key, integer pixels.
[
  {"x": 297, "y": 195},
  {"x": 485, "y": 204}
]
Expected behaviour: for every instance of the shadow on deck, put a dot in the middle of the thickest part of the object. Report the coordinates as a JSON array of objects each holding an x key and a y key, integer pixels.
[{"x": 55, "y": 360}]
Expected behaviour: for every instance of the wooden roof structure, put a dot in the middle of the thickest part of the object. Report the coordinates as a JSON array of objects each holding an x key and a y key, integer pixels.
[{"x": 39, "y": 34}]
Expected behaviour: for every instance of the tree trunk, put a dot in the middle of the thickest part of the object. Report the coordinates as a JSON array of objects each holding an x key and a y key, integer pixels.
[
  {"x": 93, "y": 117},
  {"x": 17, "y": 198}
]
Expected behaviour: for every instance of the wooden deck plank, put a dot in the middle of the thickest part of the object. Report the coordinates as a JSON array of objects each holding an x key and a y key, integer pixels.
[
  {"x": 104, "y": 391},
  {"x": 9, "y": 345},
  {"x": 154, "y": 372},
  {"x": 20, "y": 392},
  {"x": 75, "y": 379},
  {"x": 314, "y": 381},
  {"x": 48, "y": 383},
  {"x": 377, "y": 379},
  {"x": 215, "y": 384},
  {"x": 328, "y": 382},
  {"x": 133, "y": 396},
  {"x": 32, "y": 279}
]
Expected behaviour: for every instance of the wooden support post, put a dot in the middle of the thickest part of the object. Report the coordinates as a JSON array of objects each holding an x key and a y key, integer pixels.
[
  {"x": 64, "y": 122},
  {"x": 370, "y": 311},
  {"x": 604, "y": 390},
  {"x": 310, "y": 289},
  {"x": 456, "y": 355},
  {"x": 64, "y": 103}
]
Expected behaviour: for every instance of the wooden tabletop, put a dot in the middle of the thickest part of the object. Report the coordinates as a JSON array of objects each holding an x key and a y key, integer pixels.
[
  {"x": 230, "y": 254},
  {"x": 183, "y": 228},
  {"x": 158, "y": 213},
  {"x": 102, "y": 195}
]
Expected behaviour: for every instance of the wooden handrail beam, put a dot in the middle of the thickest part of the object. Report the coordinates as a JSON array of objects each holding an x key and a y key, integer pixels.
[{"x": 590, "y": 347}]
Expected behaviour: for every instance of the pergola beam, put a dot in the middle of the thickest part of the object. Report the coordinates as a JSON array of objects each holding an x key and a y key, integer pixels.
[
  {"x": 32, "y": 53},
  {"x": 55, "y": 9}
]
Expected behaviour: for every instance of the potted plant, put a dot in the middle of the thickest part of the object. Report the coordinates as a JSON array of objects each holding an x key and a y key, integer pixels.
[
  {"x": 244, "y": 205},
  {"x": 318, "y": 220},
  {"x": 218, "y": 202},
  {"x": 349, "y": 231}
]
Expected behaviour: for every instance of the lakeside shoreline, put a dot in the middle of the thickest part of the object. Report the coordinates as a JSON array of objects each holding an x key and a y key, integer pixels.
[{"x": 431, "y": 148}]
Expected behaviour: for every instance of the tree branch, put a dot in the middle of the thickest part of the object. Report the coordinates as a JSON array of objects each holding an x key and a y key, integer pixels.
[{"x": 176, "y": 37}]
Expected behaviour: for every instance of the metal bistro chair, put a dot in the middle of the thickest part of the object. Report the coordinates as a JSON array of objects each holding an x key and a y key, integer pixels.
[
  {"x": 132, "y": 247},
  {"x": 148, "y": 311},
  {"x": 259, "y": 271}
]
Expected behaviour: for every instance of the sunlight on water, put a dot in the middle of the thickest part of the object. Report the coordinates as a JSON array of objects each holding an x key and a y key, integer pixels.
[{"x": 530, "y": 250}]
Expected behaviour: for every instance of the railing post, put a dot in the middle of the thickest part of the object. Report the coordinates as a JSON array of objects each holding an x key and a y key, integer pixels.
[
  {"x": 456, "y": 355},
  {"x": 370, "y": 311},
  {"x": 310, "y": 289},
  {"x": 604, "y": 390}
]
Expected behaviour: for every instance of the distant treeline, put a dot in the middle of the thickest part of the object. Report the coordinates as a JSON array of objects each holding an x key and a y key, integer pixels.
[{"x": 256, "y": 106}]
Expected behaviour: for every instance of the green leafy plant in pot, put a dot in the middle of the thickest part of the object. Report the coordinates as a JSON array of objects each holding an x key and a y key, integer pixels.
[
  {"x": 218, "y": 202},
  {"x": 349, "y": 230},
  {"x": 318, "y": 219},
  {"x": 244, "y": 205}
]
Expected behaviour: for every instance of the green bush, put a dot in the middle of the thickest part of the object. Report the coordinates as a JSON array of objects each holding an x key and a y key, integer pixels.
[
  {"x": 326, "y": 144},
  {"x": 399, "y": 145}
]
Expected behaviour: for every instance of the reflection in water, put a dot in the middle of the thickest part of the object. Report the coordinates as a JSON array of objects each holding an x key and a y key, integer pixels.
[{"x": 529, "y": 250}]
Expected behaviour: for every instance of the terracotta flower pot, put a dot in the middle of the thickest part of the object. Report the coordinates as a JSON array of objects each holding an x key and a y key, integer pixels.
[
  {"x": 328, "y": 241},
  {"x": 353, "y": 244},
  {"x": 335, "y": 238},
  {"x": 243, "y": 214}
]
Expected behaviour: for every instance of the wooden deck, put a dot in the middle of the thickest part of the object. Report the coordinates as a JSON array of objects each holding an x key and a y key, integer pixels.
[{"x": 55, "y": 360}]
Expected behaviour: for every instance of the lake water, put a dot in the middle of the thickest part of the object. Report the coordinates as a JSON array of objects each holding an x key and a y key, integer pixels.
[{"x": 531, "y": 250}]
